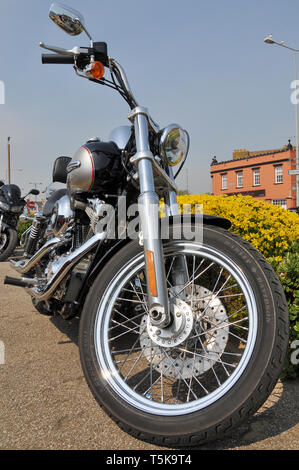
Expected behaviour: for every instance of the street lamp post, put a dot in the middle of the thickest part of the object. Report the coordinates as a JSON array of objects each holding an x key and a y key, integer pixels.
[
  {"x": 8, "y": 159},
  {"x": 9, "y": 172},
  {"x": 270, "y": 40}
]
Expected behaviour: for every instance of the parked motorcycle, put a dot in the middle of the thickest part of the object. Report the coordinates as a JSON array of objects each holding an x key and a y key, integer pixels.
[
  {"x": 11, "y": 207},
  {"x": 182, "y": 337},
  {"x": 41, "y": 229}
]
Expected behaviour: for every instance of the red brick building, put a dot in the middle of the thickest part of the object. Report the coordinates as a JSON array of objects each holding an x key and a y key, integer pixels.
[{"x": 262, "y": 174}]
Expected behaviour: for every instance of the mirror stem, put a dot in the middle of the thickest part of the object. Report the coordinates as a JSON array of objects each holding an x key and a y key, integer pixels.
[{"x": 88, "y": 35}]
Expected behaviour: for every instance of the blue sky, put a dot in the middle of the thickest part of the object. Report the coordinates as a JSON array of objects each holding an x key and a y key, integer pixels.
[{"x": 202, "y": 64}]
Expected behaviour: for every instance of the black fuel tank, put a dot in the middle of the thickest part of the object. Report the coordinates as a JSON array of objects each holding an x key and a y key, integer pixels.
[{"x": 96, "y": 167}]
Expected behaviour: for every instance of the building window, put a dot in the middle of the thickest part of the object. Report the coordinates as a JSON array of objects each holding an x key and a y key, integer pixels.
[
  {"x": 280, "y": 202},
  {"x": 278, "y": 174},
  {"x": 256, "y": 177},
  {"x": 224, "y": 181},
  {"x": 239, "y": 179}
]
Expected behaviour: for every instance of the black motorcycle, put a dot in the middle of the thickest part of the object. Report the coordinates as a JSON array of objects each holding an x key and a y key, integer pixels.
[
  {"x": 11, "y": 207},
  {"x": 183, "y": 324}
]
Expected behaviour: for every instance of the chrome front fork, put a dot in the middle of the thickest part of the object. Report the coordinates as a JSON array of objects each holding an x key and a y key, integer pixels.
[{"x": 148, "y": 203}]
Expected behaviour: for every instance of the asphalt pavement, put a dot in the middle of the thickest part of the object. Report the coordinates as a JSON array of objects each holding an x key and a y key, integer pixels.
[{"x": 46, "y": 404}]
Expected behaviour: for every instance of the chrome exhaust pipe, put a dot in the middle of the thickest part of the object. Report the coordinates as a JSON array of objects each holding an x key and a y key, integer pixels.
[
  {"x": 24, "y": 267},
  {"x": 21, "y": 282},
  {"x": 65, "y": 264}
]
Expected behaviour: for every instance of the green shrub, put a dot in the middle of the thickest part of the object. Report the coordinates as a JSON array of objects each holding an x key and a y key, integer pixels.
[
  {"x": 288, "y": 273},
  {"x": 274, "y": 232},
  {"x": 22, "y": 226}
]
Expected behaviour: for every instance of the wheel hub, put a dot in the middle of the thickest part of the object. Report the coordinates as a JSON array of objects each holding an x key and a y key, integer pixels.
[
  {"x": 178, "y": 331},
  {"x": 204, "y": 328}
]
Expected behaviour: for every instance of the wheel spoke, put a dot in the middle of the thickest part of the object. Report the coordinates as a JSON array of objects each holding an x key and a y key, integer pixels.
[
  {"x": 213, "y": 328},
  {"x": 194, "y": 278}
]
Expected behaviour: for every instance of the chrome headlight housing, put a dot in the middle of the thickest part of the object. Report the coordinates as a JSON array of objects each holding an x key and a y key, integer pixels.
[{"x": 174, "y": 144}]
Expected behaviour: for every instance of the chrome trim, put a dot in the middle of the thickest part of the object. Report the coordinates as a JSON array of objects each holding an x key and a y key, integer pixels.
[
  {"x": 80, "y": 179},
  {"x": 114, "y": 64},
  {"x": 160, "y": 172},
  {"x": 142, "y": 110},
  {"x": 148, "y": 204},
  {"x": 59, "y": 50},
  {"x": 28, "y": 280},
  {"x": 68, "y": 19},
  {"x": 73, "y": 165},
  {"x": 25, "y": 233},
  {"x": 121, "y": 136},
  {"x": 63, "y": 266},
  {"x": 63, "y": 216},
  {"x": 102, "y": 347},
  {"x": 171, "y": 202},
  {"x": 164, "y": 137},
  {"x": 23, "y": 267}
]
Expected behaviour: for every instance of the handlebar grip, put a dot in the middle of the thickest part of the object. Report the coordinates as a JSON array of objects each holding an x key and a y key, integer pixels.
[{"x": 57, "y": 59}]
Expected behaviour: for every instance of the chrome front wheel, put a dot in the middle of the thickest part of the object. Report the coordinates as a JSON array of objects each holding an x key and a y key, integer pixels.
[
  {"x": 184, "y": 373},
  {"x": 196, "y": 360}
]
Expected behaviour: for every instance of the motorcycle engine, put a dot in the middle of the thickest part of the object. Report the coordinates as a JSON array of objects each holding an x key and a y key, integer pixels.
[{"x": 62, "y": 217}]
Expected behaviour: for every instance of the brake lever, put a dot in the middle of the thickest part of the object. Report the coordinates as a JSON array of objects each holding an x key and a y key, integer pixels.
[{"x": 70, "y": 52}]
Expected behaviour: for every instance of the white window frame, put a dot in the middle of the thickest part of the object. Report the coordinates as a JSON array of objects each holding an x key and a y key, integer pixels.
[
  {"x": 280, "y": 202},
  {"x": 278, "y": 174},
  {"x": 239, "y": 179},
  {"x": 256, "y": 177},
  {"x": 224, "y": 181}
]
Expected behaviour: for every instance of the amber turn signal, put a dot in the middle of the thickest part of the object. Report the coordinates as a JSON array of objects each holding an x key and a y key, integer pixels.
[
  {"x": 151, "y": 273},
  {"x": 97, "y": 70}
]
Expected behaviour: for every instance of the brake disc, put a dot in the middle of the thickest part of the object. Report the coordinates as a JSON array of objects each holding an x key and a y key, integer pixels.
[{"x": 194, "y": 342}]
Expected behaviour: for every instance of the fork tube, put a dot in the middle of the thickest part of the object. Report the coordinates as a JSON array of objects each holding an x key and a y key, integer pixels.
[
  {"x": 171, "y": 202},
  {"x": 179, "y": 274},
  {"x": 148, "y": 202}
]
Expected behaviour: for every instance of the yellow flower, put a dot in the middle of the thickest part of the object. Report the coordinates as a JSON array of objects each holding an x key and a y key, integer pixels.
[{"x": 267, "y": 227}]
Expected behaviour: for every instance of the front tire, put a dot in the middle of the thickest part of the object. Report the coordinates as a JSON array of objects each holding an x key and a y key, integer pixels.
[
  {"x": 8, "y": 243},
  {"x": 195, "y": 389}
]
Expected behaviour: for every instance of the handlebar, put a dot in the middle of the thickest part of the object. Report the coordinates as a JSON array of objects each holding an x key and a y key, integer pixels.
[
  {"x": 57, "y": 59},
  {"x": 81, "y": 57}
]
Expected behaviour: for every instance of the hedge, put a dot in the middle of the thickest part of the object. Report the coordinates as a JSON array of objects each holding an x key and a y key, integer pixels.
[{"x": 275, "y": 233}]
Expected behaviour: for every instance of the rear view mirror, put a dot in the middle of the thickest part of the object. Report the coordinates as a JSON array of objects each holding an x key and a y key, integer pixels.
[
  {"x": 68, "y": 19},
  {"x": 34, "y": 192}
]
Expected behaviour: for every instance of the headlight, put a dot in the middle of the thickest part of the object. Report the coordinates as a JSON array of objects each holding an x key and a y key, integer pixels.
[
  {"x": 16, "y": 208},
  {"x": 4, "y": 206},
  {"x": 174, "y": 144}
]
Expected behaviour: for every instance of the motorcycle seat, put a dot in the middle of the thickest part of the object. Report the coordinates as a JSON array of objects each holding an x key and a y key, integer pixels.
[{"x": 59, "y": 169}]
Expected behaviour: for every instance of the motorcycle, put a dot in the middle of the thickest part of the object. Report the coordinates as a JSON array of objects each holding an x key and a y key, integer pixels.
[
  {"x": 183, "y": 324},
  {"x": 41, "y": 229},
  {"x": 11, "y": 207}
]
